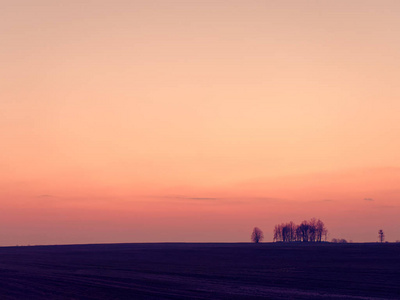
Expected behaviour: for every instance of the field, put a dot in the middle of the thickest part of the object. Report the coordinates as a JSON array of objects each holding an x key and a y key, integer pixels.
[{"x": 201, "y": 271}]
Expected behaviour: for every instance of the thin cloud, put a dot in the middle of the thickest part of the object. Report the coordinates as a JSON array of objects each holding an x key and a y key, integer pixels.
[
  {"x": 271, "y": 199},
  {"x": 237, "y": 199},
  {"x": 321, "y": 200},
  {"x": 200, "y": 198},
  {"x": 368, "y": 199},
  {"x": 241, "y": 198},
  {"x": 182, "y": 197}
]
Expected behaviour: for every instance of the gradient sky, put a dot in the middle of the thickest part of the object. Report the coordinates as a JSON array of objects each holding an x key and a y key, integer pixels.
[{"x": 147, "y": 121}]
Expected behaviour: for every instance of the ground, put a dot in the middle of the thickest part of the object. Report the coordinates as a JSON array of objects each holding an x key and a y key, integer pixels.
[{"x": 201, "y": 271}]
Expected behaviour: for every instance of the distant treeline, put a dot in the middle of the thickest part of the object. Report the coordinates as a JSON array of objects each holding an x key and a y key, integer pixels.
[
  {"x": 308, "y": 231},
  {"x": 340, "y": 241}
]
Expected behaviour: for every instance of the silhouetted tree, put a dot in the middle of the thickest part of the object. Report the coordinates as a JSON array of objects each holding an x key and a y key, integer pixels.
[
  {"x": 381, "y": 236},
  {"x": 298, "y": 233},
  {"x": 277, "y": 233},
  {"x": 304, "y": 231},
  {"x": 307, "y": 231},
  {"x": 285, "y": 232},
  {"x": 321, "y": 231},
  {"x": 291, "y": 231},
  {"x": 257, "y": 235},
  {"x": 312, "y": 230},
  {"x": 340, "y": 241}
]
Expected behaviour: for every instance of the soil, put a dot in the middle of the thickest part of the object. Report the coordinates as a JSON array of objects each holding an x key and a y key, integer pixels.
[{"x": 201, "y": 271}]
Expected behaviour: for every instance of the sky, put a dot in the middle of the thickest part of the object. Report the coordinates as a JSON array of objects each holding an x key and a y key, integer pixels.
[{"x": 194, "y": 121}]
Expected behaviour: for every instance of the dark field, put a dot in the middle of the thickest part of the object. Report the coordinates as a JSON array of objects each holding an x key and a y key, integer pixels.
[{"x": 201, "y": 271}]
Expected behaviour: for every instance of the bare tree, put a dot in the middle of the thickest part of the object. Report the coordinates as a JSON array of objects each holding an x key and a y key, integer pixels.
[
  {"x": 381, "y": 236},
  {"x": 321, "y": 231},
  {"x": 304, "y": 231},
  {"x": 312, "y": 230},
  {"x": 298, "y": 234},
  {"x": 257, "y": 235},
  {"x": 292, "y": 231},
  {"x": 277, "y": 233},
  {"x": 285, "y": 233},
  {"x": 307, "y": 231}
]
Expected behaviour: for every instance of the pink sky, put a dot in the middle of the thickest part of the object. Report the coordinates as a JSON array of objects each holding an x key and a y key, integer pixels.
[{"x": 147, "y": 121}]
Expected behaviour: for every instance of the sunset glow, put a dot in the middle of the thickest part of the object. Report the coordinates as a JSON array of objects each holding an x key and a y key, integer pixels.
[{"x": 181, "y": 121}]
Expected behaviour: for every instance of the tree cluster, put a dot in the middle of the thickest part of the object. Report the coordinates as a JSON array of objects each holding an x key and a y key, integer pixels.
[
  {"x": 308, "y": 231},
  {"x": 340, "y": 241}
]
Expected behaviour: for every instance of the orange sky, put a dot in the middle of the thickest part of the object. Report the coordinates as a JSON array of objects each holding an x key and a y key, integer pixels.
[{"x": 131, "y": 121}]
